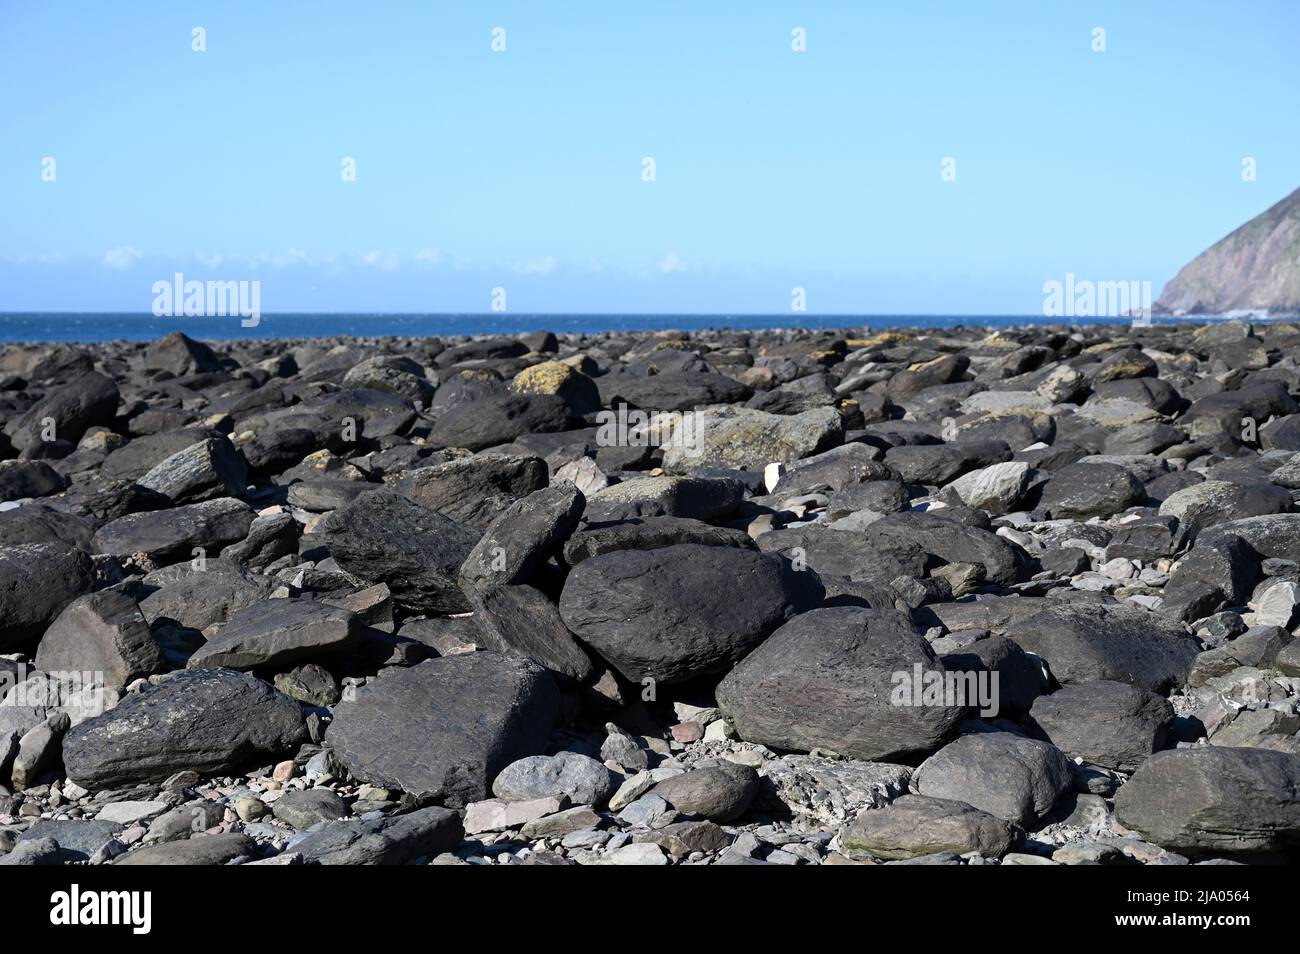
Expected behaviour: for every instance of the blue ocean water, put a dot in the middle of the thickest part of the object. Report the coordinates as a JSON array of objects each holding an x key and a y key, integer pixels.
[{"x": 89, "y": 327}]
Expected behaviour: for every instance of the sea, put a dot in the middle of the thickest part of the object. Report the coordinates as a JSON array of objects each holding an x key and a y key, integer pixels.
[{"x": 32, "y": 327}]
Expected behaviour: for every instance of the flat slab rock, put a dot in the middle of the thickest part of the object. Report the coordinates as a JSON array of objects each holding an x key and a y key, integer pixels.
[
  {"x": 446, "y": 727},
  {"x": 211, "y": 721},
  {"x": 914, "y": 826},
  {"x": 279, "y": 632}
]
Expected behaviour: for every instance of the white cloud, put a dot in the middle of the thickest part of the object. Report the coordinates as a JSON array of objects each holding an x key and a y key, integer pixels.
[
  {"x": 542, "y": 266},
  {"x": 122, "y": 257},
  {"x": 672, "y": 262},
  {"x": 208, "y": 261},
  {"x": 377, "y": 259},
  {"x": 428, "y": 256}
]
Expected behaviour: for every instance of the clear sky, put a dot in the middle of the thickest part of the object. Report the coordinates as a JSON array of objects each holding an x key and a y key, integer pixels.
[{"x": 523, "y": 169}]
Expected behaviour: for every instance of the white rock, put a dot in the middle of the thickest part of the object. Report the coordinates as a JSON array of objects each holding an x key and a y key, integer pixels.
[
  {"x": 638, "y": 853},
  {"x": 128, "y": 813},
  {"x": 996, "y": 488},
  {"x": 1276, "y": 606},
  {"x": 494, "y": 814}
]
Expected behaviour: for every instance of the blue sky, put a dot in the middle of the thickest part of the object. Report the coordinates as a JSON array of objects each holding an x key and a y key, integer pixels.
[{"x": 523, "y": 169}]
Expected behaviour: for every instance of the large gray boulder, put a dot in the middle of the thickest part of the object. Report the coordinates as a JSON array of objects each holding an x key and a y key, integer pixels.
[
  {"x": 580, "y": 778},
  {"x": 1084, "y": 642},
  {"x": 386, "y": 538},
  {"x": 473, "y": 491},
  {"x": 102, "y": 632},
  {"x": 37, "y": 580},
  {"x": 1111, "y": 724},
  {"x": 827, "y": 680},
  {"x": 700, "y": 498},
  {"x": 678, "y": 612},
  {"x": 1092, "y": 490},
  {"x": 522, "y": 620},
  {"x": 742, "y": 438},
  {"x": 212, "y": 721},
  {"x": 516, "y": 543},
  {"x": 1213, "y": 799},
  {"x": 446, "y": 727},
  {"x": 916, "y": 825},
  {"x": 1006, "y": 775},
  {"x": 198, "y": 596},
  {"x": 209, "y": 468}
]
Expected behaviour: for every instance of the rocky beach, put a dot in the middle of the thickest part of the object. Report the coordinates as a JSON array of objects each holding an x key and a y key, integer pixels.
[{"x": 965, "y": 596}]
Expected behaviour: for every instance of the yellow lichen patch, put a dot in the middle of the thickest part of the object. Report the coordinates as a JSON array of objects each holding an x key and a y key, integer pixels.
[
  {"x": 925, "y": 364},
  {"x": 885, "y": 337},
  {"x": 674, "y": 344},
  {"x": 1107, "y": 346},
  {"x": 545, "y": 378},
  {"x": 320, "y": 459}
]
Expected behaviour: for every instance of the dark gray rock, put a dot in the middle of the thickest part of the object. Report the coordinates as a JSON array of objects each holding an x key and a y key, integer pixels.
[
  {"x": 937, "y": 464},
  {"x": 670, "y": 391},
  {"x": 677, "y": 612},
  {"x": 1214, "y": 800},
  {"x": 493, "y": 420},
  {"x": 446, "y": 727},
  {"x": 391, "y": 840},
  {"x": 102, "y": 632},
  {"x": 179, "y": 354},
  {"x": 386, "y": 538},
  {"x": 69, "y": 410},
  {"x": 28, "y": 478},
  {"x": 279, "y": 632},
  {"x": 78, "y": 839},
  {"x": 270, "y": 537},
  {"x": 303, "y": 808},
  {"x": 207, "y": 469},
  {"x": 1092, "y": 490},
  {"x": 208, "y": 720},
  {"x": 1008, "y": 776},
  {"x": 827, "y": 680},
  {"x": 1111, "y": 724},
  {"x": 700, "y": 498},
  {"x": 197, "y": 597},
  {"x": 37, "y": 580},
  {"x": 947, "y": 540},
  {"x": 842, "y": 553},
  {"x": 1087, "y": 642},
  {"x": 580, "y": 778},
  {"x": 530, "y": 532},
  {"x": 912, "y": 826},
  {"x": 1020, "y": 676},
  {"x": 720, "y": 791},
  {"x": 38, "y": 523},
  {"x": 521, "y": 620},
  {"x": 648, "y": 533},
  {"x": 218, "y": 849},
  {"x": 475, "y": 490},
  {"x": 168, "y": 536}
]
